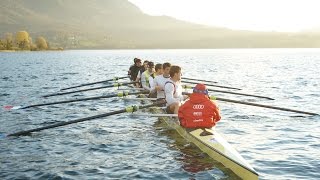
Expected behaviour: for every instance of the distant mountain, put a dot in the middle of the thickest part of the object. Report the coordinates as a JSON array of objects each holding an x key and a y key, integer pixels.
[{"x": 120, "y": 24}]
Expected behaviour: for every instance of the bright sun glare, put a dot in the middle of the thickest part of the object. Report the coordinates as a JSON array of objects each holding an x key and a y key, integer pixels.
[{"x": 259, "y": 15}]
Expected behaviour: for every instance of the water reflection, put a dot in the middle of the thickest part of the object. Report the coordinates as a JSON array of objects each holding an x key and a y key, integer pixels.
[{"x": 193, "y": 160}]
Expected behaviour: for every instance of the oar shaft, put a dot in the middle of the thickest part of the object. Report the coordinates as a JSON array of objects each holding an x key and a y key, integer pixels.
[
  {"x": 121, "y": 94},
  {"x": 199, "y": 80},
  {"x": 157, "y": 115},
  {"x": 243, "y": 94},
  {"x": 128, "y": 109},
  {"x": 98, "y": 82},
  {"x": 265, "y": 106},
  {"x": 229, "y": 92},
  {"x": 22, "y": 133},
  {"x": 226, "y": 87},
  {"x": 89, "y": 89}
]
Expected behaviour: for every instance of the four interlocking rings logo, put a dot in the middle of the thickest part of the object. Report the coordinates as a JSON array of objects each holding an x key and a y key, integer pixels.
[{"x": 198, "y": 106}]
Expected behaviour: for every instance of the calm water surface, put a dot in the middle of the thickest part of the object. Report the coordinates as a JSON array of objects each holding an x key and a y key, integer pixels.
[{"x": 279, "y": 145}]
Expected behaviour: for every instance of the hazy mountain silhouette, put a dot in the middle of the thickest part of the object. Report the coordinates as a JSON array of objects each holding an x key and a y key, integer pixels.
[{"x": 120, "y": 24}]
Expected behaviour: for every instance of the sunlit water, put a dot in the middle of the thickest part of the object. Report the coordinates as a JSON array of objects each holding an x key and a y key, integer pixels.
[{"x": 279, "y": 145}]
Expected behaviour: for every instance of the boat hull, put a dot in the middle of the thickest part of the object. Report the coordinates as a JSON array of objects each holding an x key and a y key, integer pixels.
[{"x": 215, "y": 146}]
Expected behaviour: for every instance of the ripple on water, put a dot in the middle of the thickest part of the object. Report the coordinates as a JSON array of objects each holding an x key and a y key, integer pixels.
[
  {"x": 123, "y": 147},
  {"x": 4, "y": 94},
  {"x": 240, "y": 117},
  {"x": 5, "y": 78}
]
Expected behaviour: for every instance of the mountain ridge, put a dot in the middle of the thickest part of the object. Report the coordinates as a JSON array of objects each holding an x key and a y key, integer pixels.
[{"x": 100, "y": 24}]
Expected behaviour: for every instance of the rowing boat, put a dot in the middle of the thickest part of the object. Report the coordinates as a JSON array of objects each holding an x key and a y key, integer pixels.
[{"x": 214, "y": 145}]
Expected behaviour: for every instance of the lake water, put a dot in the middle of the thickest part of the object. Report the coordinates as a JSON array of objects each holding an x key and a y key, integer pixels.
[{"x": 278, "y": 144}]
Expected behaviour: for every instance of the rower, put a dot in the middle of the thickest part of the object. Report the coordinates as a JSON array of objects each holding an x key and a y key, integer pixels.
[
  {"x": 199, "y": 111},
  {"x": 160, "y": 80},
  {"x": 153, "y": 90},
  {"x": 148, "y": 76},
  {"x": 134, "y": 69},
  {"x": 173, "y": 90},
  {"x": 143, "y": 68}
]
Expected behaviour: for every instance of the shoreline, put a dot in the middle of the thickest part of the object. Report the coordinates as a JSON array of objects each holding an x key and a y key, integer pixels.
[
  {"x": 29, "y": 50},
  {"x": 7, "y": 51}
]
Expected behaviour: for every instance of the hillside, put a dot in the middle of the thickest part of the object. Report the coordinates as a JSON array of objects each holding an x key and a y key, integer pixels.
[{"x": 120, "y": 24}]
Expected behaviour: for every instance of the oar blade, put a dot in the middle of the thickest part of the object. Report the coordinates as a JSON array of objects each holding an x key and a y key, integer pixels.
[
  {"x": 10, "y": 107},
  {"x": 16, "y": 107}
]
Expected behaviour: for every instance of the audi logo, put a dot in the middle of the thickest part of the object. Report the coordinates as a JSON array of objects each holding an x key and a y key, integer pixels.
[{"x": 198, "y": 106}]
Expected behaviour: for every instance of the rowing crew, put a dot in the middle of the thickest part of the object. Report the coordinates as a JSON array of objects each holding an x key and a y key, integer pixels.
[{"x": 164, "y": 82}]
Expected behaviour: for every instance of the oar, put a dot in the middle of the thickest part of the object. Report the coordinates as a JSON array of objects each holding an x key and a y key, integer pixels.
[
  {"x": 127, "y": 109},
  {"x": 226, "y": 87},
  {"x": 140, "y": 98},
  {"x": 120, "y": 94},
  {"x": 98, "y": 82},
  {"x": 228, "y": 92},
  {"x": 155, "y": 115},
  {"x": 90, "y": 89},
  {"x": 199, "y": 80},
  {"x": 262, "y": 105}
]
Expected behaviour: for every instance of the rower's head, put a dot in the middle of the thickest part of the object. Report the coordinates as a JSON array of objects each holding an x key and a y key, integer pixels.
[
  {"x": 175, "y": 73},
  {"x": 166, "y": 68},
  {"x": 158, "y": 69},
  {"x": 145, "y": 64},
  {"x": 150, "y": 66},
  {"x": 137, "y": 62},
  {"x": 200, "y": 89}
]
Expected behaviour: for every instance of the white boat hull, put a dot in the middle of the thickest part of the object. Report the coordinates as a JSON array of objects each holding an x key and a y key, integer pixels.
[{"x": 215, "y": 146}]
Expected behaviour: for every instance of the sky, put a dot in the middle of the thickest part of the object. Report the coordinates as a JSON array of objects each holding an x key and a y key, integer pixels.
[{"x": 257, "y": 15}]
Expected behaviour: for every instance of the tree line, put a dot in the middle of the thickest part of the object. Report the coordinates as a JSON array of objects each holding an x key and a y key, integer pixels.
[{"x": 23, "y": 41}]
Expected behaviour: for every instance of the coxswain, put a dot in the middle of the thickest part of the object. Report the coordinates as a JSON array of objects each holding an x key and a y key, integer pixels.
[
  {"x": 160, "y": 80},
  {"x": 199, "y": 111},
  {"x": 173, "y": 90}
]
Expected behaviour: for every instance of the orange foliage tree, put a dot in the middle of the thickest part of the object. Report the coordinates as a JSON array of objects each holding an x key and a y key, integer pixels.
[
  {"x": 23, "y": 40},
  {"x": 41, "y": 43}
]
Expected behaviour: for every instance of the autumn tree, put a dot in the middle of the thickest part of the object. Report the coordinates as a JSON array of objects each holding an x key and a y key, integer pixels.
[
  {"x": 1, "y": 45},
  {"x": 8, "y": 44},
  {"x": 23, "y": 40},
  {"x": 30, "y": 40},
  {"x": 41, "y": 43}
]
